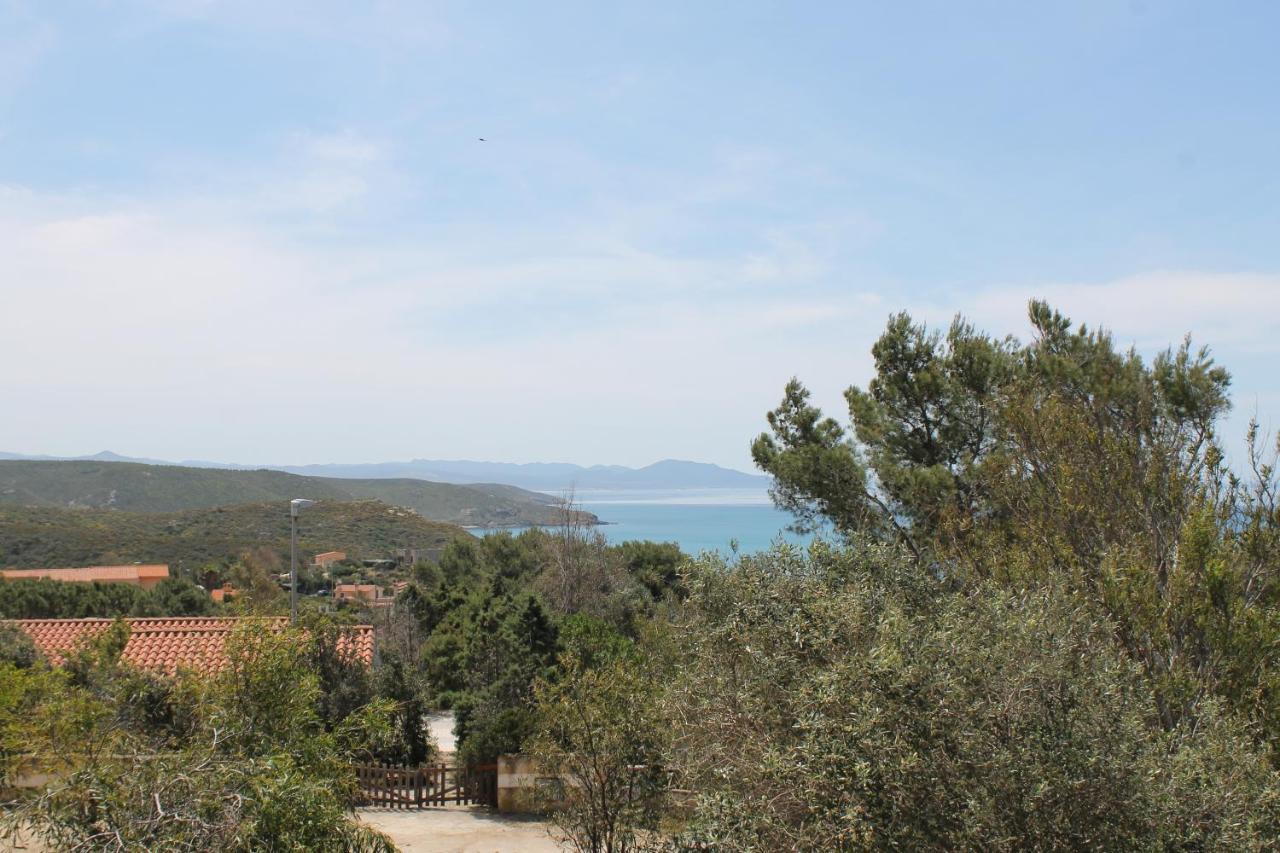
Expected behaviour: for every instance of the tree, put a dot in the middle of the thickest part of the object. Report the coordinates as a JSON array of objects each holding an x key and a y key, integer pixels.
[
  {"x": 602, "y": 735},
  {"x": 582, "y": 574},
  {"x": 1063, "y": 461},
  {"x": 253, "y": 576},
  {"x": 411, "y": 741},
  {"x": 509, "y": 644},
  {"x": 50, "y": 599},
  {"x": 180, "y": 597},
  {"x": 920, "y": 430},
  {"x": 344, "y": 681},
  {"x": 946, "y": 420},
  {"x": 656, "y": 565}
]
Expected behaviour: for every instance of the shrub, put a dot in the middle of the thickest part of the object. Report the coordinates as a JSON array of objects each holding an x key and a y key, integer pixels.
[
  {"x": 238, "y": 762},
  {"x": 844, "y": 700},
  {"x": 16, "y": 648},
  {"x": 601, "y": 734}
]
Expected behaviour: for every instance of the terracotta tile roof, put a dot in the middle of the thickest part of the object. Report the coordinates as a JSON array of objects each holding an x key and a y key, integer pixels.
[
  {"x": 358, "y": 590},
  {"x": 128, "y": 574},
  {"x": 166, "y": 645}
]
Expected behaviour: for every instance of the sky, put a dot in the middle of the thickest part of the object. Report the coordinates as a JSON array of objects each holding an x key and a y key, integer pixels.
[{"x": 271, "y": 233}]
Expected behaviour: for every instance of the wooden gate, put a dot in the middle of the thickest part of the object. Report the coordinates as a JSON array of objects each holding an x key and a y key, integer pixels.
[{"x": 434, "y": 785}]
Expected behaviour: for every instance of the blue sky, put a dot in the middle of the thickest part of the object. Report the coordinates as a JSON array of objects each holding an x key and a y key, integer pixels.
[{"x": 272, "y": 234}]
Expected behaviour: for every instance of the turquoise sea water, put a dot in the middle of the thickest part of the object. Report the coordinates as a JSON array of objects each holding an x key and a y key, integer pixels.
[{"x": 695, "y": 520}]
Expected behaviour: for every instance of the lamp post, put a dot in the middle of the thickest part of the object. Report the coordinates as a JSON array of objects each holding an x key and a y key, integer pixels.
[{"x": 294, "y": 505}]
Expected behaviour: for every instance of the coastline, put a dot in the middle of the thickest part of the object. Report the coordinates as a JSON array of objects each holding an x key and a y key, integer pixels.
[{"x": 518, "y": 526}]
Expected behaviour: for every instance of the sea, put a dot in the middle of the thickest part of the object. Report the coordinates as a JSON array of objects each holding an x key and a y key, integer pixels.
[{"x": 697, "y": 520}]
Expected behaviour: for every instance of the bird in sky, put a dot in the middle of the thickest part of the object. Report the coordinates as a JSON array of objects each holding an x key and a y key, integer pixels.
[{"x": 481, "y": 138}]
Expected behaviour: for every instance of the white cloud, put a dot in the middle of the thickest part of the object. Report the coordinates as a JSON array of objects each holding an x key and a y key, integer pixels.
[
  {"x": 1151, "y": 310},
  {"x": 192, "y": 329},
  {"x": 344, "y": 147},
  {"x": 322, "y": 173},
  {"x": 1237, "y": 315},
  {"x": 625, "y": 354}
]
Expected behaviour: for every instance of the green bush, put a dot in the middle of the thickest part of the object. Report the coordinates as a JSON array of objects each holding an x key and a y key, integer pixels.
[
  {"x": 49, "y": 599},
  {"x": 242, "y": 761},
  {"x": 16, "y": 648},
  {"x": 601, "y": 733},
  {"x": 844, "y": 700}
]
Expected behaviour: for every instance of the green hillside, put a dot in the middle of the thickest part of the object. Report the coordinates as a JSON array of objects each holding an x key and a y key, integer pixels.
[
  {"x": 134, "y": 487},
  {"x": 47, "y": 536}
]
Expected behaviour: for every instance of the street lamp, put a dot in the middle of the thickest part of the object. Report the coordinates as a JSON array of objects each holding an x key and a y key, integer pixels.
[{"x": 294, "y": 505}]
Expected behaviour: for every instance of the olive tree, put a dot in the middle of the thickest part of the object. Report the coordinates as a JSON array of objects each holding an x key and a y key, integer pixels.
[{"x": 844, "y": 699}]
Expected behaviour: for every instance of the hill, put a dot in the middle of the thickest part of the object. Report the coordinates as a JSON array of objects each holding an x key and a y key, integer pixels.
[
  {"x": 137, "y": 487},
  {"x": 48, "y": 536},
  {"x": 669, "y": 474}
]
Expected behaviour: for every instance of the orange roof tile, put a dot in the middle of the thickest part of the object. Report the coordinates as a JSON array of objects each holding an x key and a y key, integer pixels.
[
  {"x": 167, "y": 645},
  {"x": 367, "y": 590},
  {"x": 91, "y": 573}
]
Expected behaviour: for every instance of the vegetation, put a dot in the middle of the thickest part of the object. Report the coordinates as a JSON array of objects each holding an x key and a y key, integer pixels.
[
  {"x": 187, "y": 541},
  {"x": 16, "y": 648},
  {"x": 492, "y": 619},
  {"x": 846, "y": 700},
  {"x": 135, "y": 487},
  {"x": 602, "y": 732},
  {"x": 243, "y": 761},
  {"x": 1063, "y": 463},
  {"x": 46, "y": 599},
  {"x": 1049, "y": 622},
  {"x": 1047, "y": 619}
]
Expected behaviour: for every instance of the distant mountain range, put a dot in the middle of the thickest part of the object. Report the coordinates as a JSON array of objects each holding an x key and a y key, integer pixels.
[
  {"x": 551, "y": 476},
  {"x": 554, "y": 477}
]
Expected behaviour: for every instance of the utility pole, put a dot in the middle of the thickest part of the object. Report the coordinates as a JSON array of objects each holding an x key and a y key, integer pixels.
[{"x": 294, "y": 505}]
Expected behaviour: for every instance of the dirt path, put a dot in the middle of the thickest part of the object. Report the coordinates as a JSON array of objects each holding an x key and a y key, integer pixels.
[
  {"x": 441, "y": 725},
  {"x": 461, "y": 829},
  {"x": 450, "y": 829}
]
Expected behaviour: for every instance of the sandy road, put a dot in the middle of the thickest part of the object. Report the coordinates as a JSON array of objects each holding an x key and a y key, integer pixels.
[{"x": 461, "y": 829}]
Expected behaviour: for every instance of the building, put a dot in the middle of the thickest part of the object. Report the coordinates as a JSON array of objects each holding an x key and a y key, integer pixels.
[
  {"x": 328, "y": 558},
  {"x": 145, "y": 576},
  {"x": 226, "y": 592},
  {"x": 170, "y": 644},
  {"x": 367, "y": 593}
]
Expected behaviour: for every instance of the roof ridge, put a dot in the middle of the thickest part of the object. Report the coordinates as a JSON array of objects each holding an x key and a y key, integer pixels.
[{"x": 168, "y": 643}]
